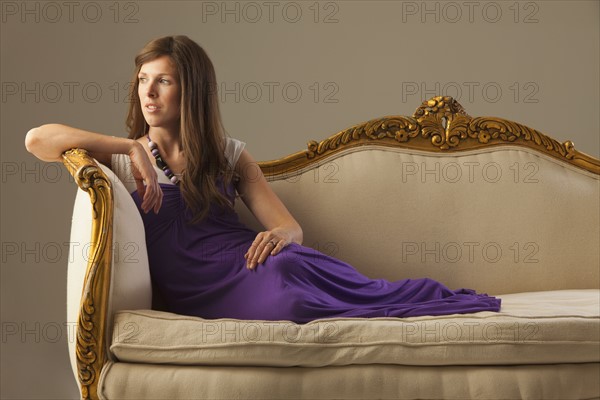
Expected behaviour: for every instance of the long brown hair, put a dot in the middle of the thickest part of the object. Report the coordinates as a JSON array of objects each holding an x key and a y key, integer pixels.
[{"x": 201, "y": 129}]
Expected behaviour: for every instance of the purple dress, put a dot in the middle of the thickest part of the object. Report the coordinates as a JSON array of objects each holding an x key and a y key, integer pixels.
[{"x": 200, "y": 270}]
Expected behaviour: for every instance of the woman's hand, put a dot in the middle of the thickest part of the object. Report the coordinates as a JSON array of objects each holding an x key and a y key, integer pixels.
[
  {"x": 266, "y": 243},
  {"x": 143, "y": 171}
]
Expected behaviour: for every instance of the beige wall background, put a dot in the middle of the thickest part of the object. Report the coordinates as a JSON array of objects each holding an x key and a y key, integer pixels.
[{"x": 289, "y": 72}]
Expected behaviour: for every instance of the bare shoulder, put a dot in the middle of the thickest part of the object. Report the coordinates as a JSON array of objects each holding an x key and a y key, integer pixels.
[
  {"x": 247, "y": 166},
  {"x": 245, "y": 158}
]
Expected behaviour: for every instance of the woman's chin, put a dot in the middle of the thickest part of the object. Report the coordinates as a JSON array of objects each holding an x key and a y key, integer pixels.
[{"x": 153, "y": 123}]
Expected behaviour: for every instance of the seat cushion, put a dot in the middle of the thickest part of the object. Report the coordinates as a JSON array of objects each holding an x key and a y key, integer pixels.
[
  {"x": 358, "y": 382},
  {"x": 532, "y": 328}
]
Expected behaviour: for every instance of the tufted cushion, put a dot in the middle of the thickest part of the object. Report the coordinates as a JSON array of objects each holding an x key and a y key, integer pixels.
[{"x": 533, "y": 328}]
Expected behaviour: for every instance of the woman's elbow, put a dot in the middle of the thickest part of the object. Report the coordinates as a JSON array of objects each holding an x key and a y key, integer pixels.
[
  {"x": 36, "y": 142},
  {"x": 32, "y": 140}
]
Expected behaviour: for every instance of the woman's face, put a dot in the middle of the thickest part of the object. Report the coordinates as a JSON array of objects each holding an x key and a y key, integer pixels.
[{"x": 159, "y": 92}]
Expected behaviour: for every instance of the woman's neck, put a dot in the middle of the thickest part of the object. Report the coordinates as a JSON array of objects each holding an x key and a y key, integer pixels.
[{"x": 167, "y": 141}]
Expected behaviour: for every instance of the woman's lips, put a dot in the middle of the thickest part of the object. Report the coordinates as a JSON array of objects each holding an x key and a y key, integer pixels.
[{"x": 152, "y": 109}]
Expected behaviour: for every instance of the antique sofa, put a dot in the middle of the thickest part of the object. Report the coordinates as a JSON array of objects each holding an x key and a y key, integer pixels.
[{"x": 482, "y": 203}]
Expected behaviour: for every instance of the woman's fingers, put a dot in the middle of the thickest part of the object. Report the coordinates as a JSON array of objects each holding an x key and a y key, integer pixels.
[
  {"x": 264, "y": 253},
  {"x": 264, "y": 245},
  {"x": 146, "y": 180},
  {"x": 158, "y": 203},
  {"x": 153, "y": 194},
  {"x": 150, "y": 193},
  {"x": 251, "y": 255},
  {"x": 278, "y": 247},
  {"x": 152, "y": 198}
]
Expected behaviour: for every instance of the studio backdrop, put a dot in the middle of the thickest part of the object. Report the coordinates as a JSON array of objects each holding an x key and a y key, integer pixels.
[{"x": 288, "y": 72}]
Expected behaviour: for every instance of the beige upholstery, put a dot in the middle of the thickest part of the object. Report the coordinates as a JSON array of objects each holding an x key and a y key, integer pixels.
[
  {"x": 533, "y": 328},
  {"x": 380, "y": 211},
  {"x": 368, "y": 207},
  {"x": 358, "y": 382}
]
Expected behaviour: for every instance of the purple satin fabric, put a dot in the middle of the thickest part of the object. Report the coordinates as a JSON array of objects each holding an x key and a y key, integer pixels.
[{"x": 200, "y": 270}]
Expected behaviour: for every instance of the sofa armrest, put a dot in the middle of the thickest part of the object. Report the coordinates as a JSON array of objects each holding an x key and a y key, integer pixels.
[
  {"x": 108, "y": 271},
  {"x": 90, "y": 345}
]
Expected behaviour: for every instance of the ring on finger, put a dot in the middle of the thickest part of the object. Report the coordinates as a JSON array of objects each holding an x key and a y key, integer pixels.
[{"x": 273, "y": 243}]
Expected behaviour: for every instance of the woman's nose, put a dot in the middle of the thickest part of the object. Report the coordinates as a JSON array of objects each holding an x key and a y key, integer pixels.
[{"x": 150, "y": 90}]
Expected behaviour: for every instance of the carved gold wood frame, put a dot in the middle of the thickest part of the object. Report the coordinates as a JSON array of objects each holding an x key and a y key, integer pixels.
[
  {"x": 91, "y": 325},
  {"x": 438, "y": 125}
]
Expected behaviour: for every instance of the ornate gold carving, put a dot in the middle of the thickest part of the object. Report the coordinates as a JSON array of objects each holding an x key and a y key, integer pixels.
[
  {"x": 399, "y": 128},
  {"x": 438, "y": 125},
  {"x": 443, "y": 120},
  {"x": 91, "y": 326}
]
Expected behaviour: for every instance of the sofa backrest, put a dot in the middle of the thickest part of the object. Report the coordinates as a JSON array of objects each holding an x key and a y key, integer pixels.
[{"x": 499, "y": 220}]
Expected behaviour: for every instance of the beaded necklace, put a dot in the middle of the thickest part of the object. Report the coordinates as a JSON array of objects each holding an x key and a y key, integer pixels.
[{"x": 160, "y": 163}]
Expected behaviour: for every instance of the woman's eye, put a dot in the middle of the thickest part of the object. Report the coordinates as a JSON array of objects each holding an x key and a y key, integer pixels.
[{"x": 144, "y": 79}]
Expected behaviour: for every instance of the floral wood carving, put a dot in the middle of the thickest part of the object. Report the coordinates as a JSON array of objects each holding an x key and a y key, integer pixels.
[
  {"x": 438, "y": 125},
  {"x": 91, "y": 325}
]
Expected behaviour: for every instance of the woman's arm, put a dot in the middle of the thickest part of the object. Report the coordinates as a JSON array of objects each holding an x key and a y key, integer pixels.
[
  {"x": 281, "y": 227},
  {"x": 48, "y": 142}
]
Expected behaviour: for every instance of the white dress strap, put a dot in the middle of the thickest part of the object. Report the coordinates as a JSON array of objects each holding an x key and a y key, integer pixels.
[{"x": 233, "y": 150}]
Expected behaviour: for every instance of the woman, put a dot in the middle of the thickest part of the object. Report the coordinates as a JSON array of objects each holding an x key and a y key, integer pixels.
[{"x": 183, "y": 174}]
